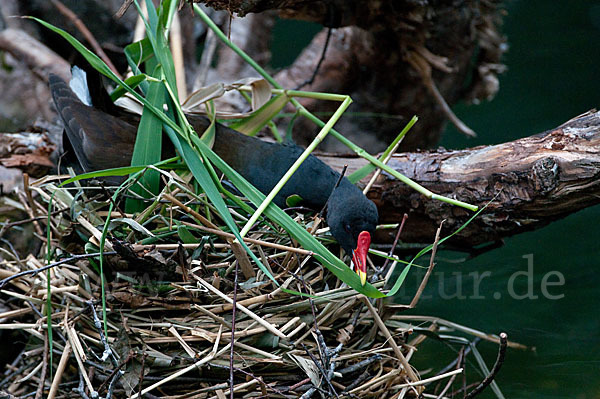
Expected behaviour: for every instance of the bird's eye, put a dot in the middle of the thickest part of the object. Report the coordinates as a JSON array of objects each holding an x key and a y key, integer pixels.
[{"x": 347, "y": 227}]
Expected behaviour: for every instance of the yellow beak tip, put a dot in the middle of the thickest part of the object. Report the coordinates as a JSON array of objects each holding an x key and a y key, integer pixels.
[{"x": 363, "y": 277}]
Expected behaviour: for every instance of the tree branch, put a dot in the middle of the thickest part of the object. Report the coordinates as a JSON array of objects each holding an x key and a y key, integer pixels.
[{"x": 538, "y": 179}]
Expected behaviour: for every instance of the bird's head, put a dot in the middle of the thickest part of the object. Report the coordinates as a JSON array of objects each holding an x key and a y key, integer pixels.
[{"x": 352, "y": 219}]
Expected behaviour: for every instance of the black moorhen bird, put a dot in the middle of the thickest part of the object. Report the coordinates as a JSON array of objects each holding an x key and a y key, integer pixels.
[{"x": 101, "y": 140}]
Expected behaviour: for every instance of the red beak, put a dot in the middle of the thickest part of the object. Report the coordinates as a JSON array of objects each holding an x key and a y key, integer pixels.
[{"x": 359, "y": 255}]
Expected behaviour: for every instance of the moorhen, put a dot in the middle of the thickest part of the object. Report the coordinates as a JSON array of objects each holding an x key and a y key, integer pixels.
[{"x": 101, "y": 140}]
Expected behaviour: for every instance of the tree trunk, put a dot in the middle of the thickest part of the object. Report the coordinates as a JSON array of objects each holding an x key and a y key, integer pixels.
[{"x": 532, "y": 182}]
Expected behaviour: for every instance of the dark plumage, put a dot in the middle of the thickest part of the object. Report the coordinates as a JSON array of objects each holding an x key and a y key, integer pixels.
[{"x": 101, "y": 141}]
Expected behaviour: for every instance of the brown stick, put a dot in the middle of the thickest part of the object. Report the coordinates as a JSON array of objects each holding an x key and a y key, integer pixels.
[
  {"x": 86, "y": 33},
  {"x": 489, "y": 378},
  {"x": 60, "y": 370},
  {"x": 40, "y": 390},
  {"x": 396, "y": 239},
  {"x": 407, "y": 368},
  {"x": 423, "y": 284}
]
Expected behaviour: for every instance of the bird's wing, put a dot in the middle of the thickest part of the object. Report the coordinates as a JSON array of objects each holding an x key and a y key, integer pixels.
[{"x": 92, "y": 133}]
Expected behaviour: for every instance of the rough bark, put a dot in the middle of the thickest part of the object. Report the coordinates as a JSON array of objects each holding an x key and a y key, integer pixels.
[
  {"x": 30, "y": 152},
  {"x": 533, "y": 181}
]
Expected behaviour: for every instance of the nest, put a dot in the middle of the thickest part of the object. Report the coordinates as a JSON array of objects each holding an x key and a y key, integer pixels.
[{"x": 169, "y": 310}]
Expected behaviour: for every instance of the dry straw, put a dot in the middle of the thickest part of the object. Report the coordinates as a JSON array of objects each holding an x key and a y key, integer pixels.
[{"x": 169, "y": 315}]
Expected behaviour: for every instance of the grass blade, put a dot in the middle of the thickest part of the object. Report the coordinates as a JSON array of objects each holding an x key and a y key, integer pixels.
[
  {"x": 368, "y": 168},
  {"x": 148, "y": 144},
  {"x": 201, "y": 174},
  {"x": 259, "y": 119}
]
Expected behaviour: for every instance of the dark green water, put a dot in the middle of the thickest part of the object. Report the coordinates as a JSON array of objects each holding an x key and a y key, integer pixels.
[{"x": 553, "y": 75}]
